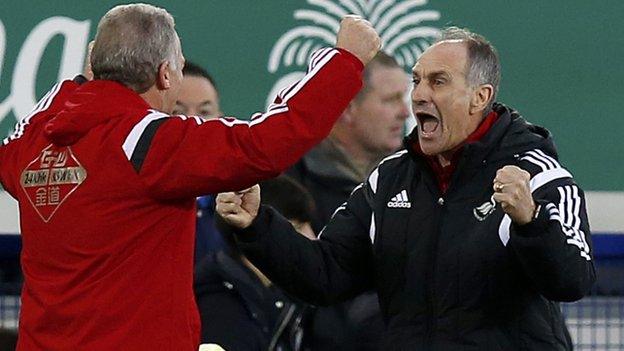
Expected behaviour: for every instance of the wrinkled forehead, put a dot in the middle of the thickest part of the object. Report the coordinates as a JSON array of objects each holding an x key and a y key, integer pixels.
[{"x": 447, "y": 55}]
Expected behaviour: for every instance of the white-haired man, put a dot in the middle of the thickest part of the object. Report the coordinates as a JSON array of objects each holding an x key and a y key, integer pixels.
[{"x": 470, "y": 235}]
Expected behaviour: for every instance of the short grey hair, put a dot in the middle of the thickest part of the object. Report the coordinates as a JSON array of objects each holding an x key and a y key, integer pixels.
[
  {"x": 381, "y": 59},
  {"x": 131, "y": 43},
  {"x": 483, "y": 63}
]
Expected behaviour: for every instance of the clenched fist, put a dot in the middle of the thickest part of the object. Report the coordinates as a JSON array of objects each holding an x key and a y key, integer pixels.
[
  {"x": 358, "y": 36},
  {"x": 240, "y": 208},
  {"x": 512, "y": 191}
]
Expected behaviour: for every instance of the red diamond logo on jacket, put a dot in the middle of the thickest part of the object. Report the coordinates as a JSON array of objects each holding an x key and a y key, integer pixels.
[{"x": 50, "y": 178}]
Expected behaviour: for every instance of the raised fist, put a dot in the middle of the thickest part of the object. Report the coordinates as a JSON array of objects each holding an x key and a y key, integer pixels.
[
  {"x": 512, "y": 191},
  {"x": 358, "y": 36},
  {"x": 240, "y": 208}
]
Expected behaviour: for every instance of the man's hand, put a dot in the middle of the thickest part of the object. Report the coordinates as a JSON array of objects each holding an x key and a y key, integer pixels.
[
  {"x": 240, "y": 208},
  {"x": 512, "y": 191},
  {"x": 358, "y": 36}
]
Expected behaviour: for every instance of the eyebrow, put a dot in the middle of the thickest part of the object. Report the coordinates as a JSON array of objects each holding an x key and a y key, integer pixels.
[
  {"x": 201, "y": 103},
  {"x": 433, "y": 74}
]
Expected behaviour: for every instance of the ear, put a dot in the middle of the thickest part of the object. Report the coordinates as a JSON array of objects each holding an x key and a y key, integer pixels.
[
  {"x": 481, "y": 97},
  {"x": 163, "y": 77},
  {"x": 348, "y": 116}
]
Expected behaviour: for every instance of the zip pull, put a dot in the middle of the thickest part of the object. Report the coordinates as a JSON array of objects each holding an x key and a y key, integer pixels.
[{"x": 441, "y": 201}]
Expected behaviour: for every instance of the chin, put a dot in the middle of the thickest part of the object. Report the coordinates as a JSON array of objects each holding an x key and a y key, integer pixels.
[{"x": 429, "y": 150}]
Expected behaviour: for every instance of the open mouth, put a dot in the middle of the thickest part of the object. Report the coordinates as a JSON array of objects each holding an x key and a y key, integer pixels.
[{"x": 427, "y": 123}]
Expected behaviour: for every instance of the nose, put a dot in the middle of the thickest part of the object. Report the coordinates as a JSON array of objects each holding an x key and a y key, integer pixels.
[
  {"x": 421, "y": 94},
  {"x": 403, "y": 110},
  {"x": 192, "y": 111}
]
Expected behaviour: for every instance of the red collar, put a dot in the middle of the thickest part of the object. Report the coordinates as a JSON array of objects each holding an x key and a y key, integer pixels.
[{"x": 443, "y": 174}]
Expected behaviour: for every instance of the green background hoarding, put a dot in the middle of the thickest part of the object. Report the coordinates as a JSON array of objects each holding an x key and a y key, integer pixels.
[{"x": 561, "y": 59}]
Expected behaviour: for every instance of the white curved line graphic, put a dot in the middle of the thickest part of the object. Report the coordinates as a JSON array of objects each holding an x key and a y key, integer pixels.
[
  {"x": 396, "y": 11},
  {"x": 304, "y": 52},
  {"x": 364, "y": 6},
  {"x": 330, "y": 7},
  {"x": 351, "y": 6},
  {"x": 409, "y": 56},
  {"x": 378, "y": 11},
  {"x": 417, "y": 50},
  {"x": 288, "y": 37},
  {"x": 318, "y": 18},
  {"x": 408, "y": 21},
  {"x": 2, "y": 47},
  {"x": 400, "y": 59},
  {"x": 5, "y": 106},
  {"x": 411, "y": 34},
  {"x": 289, "y": 56}
]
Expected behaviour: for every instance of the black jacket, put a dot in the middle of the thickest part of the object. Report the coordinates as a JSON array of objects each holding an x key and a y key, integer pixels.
[
  {"x": 452, "y": 271},
  {"x": 241, "y": 314},
  {"x": 330, "y": 175}
]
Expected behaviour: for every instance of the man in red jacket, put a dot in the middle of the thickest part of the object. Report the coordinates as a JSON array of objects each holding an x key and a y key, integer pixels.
[{"x": 106, "y": 182}]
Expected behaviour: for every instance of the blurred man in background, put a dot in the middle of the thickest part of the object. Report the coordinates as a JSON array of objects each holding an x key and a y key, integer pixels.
[
  {"x": 198, "y": 94},
  {"x": 371, "y": 128},
  {"x": 199, "y": 97}
]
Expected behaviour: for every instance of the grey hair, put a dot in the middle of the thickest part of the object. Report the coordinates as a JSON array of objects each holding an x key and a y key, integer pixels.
[
  {"x": 131, "y": 43},
  {"x": 381, "y": 59},
  {"x": 483, "y": 63}
]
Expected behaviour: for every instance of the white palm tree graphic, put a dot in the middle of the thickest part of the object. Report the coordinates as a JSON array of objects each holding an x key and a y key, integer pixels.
[{"x": 399, "y": 24}]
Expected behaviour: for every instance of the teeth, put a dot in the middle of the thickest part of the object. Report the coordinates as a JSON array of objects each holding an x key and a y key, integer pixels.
[{"x": 428, "y": 123}]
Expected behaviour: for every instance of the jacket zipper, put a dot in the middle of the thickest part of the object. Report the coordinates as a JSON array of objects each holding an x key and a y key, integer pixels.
[{"x": 430, "y": 325}]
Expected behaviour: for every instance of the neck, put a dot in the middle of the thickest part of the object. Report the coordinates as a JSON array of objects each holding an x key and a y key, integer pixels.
[
  {"x": 444, "y": 159},
  {"x": 485, "y": 123},
  {"x": 154, "y": 98},
  {"x": 359, "y": 155}
]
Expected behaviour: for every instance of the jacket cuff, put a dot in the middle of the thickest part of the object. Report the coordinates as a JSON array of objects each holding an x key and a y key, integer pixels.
[
  {"x": 538, "y": 225},
  {"x": 259, "y": 225},
  {"x": 355, "y": 62}
]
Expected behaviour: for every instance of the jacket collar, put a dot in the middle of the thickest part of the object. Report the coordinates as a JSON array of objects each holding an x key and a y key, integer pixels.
[{"x": 93, "y": 103}]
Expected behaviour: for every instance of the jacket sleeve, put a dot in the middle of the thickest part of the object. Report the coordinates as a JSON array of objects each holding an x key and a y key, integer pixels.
[
  {"x": 179, "y": 156},
  {"x": 554, "y": 249},
  {"x": 333, "y": 268}
]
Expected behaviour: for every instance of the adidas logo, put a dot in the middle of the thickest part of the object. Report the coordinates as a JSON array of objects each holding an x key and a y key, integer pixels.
[{"x": 400, "y": 200}]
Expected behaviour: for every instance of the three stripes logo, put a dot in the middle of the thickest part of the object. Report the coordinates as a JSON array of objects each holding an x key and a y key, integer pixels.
[{"x": 400, "y": 200}]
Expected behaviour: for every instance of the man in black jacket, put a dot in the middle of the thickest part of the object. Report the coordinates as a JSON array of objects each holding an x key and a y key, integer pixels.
[{"x": 470, "y": 235}]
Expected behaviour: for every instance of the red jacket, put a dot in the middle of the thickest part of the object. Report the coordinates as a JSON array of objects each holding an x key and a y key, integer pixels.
[{"x": 106, "y": 189}]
